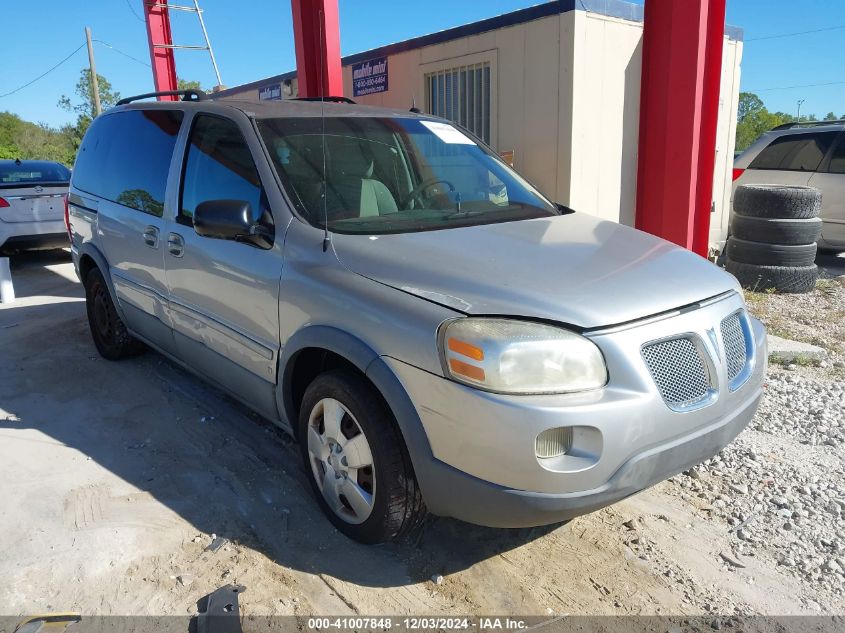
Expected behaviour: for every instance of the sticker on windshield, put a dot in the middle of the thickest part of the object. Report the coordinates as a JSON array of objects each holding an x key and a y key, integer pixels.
[{"x": 447, "y": 133}]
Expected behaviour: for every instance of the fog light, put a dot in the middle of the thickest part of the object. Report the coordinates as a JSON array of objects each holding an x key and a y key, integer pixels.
[{"x": 553, "y": 442}]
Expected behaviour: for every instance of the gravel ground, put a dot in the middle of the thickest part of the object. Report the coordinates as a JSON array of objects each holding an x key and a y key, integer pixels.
[
  {"x": 780, "y": 487},
  {"x": 817, "y": 317}
]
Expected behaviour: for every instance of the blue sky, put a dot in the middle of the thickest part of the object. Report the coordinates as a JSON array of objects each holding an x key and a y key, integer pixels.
[{"x": 254, "y": 39}]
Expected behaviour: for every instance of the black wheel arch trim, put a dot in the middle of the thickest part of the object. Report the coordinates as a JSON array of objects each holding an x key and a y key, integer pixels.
[
  {"x": 87, "y": 249},
  {"x": 373, "y": 366}
]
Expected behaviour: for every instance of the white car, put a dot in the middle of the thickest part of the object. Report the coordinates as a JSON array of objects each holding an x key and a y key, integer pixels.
[
  {"x": 32, "y": 205},
  {"x": 808, "y": 154}
]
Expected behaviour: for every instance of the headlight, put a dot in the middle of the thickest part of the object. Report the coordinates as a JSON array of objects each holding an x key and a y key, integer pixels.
[{"x": 520, "y": 357}]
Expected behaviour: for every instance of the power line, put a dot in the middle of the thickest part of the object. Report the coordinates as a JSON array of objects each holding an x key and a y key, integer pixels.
[
  {"x": 44, "y": 74},
  {"x": 117, "y": 50},
  {"x": 829, "y": 83},
  {"x": 135, "y": 13},
  {"x": 780, "y": 35}
]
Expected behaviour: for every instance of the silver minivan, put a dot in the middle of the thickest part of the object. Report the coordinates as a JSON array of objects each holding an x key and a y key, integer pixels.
[
  {"x": 437, "y": 334},
  {"x": 807, "y": 154}
]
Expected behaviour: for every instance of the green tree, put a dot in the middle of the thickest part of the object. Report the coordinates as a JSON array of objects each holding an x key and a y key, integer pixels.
[
  {"x": 830, "y": 116},
  {"x": 749, "y": 105},
  {"x": 84, "y": 106},
  {"x": 85, "y": 93},
  {"x": 24, "y": 139},
  {"x": 753, "y": 119},
  {"x": 183, "y": 84}
]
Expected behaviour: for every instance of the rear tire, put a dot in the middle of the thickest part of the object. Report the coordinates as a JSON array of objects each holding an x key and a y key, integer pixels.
[
  {"x": 777, "y": 201},
  {"x": 111, "y": 338},
  {"x": 337, "y": 408},
  {"x": 776, "y": 230},
  {"x": 781, "y": 278},
  {"x": 762, "y": 254}
]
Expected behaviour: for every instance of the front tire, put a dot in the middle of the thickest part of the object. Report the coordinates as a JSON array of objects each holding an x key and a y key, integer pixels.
[
  {"x": 110, "y": 335},
  {"x": 356, "y": 460}
]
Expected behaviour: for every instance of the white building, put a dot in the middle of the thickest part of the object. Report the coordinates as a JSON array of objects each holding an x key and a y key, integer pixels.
[{"x": 555, "y": 88}]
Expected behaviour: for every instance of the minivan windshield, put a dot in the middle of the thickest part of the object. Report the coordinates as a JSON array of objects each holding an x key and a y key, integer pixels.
[{"x": 394, "y": 175}]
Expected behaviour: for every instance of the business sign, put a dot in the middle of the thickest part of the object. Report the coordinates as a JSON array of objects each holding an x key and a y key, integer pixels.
[
  {"x": 272, "y": 92},
  {"x": 369, "y": 77}
]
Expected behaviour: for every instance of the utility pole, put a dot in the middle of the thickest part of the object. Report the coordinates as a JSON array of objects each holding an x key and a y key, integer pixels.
[
  {"x": 95, "y": 88},
  {"x": 800, "y": 101}
]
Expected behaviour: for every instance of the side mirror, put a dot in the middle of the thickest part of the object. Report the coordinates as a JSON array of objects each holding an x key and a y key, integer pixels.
[{"x": 223, "y": 219}]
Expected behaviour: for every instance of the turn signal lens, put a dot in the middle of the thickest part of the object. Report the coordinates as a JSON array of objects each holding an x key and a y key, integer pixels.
[
  {"x": 520, "y": 357},
  {"x": 465, "y": 369},
  {"x": 465, "y": 349}
]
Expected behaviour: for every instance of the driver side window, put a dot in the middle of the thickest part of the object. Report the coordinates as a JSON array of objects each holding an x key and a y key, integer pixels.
[{"x": 218, "y": 166}]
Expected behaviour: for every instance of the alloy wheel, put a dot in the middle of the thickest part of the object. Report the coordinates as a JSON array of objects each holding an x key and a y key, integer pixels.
[{"x": 341, "y": 461}]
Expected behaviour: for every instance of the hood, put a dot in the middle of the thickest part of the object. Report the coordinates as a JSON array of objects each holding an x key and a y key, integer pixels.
[{"x": 574, "y": 269}]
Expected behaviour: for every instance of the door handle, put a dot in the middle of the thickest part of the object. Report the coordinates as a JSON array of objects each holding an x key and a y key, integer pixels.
[
  {"x": 151, "y": 236},
  {"x": 175, "y": 245}
]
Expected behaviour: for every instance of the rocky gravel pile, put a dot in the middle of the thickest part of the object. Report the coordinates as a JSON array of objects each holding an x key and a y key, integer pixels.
[{"x": 779, "y": 487}]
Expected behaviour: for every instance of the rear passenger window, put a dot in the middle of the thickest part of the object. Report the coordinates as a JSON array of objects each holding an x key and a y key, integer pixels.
[
  {"x": 125, "y": 158},
  {"x": 218, "y": 166},
  {"x": 795, "y": 152},
  {"x": 837, "y": 159}
]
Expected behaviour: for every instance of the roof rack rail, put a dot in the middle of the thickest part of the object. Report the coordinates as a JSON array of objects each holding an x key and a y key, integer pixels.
[
  {"x": 794, "y": 124},
  {"x": 187, "y": 95},
  {"x": 327, "y": 98}
]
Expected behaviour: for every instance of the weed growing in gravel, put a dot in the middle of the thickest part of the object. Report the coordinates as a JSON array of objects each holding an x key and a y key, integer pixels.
[{"x": 801, "y": 360}]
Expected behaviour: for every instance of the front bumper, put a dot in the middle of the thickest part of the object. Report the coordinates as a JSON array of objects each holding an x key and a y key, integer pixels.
[
  {"x": 483, "y": 467},
  {"x": 465, "y": 497}
]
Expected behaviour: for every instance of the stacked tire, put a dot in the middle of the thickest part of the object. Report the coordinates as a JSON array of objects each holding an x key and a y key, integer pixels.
[{"x": 773, "y": 234}]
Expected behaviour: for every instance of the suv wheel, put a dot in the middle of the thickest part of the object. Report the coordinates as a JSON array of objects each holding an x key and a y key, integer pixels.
[
  {"x": 110, "y": 336},
  {"x": 356, "y": 459}
]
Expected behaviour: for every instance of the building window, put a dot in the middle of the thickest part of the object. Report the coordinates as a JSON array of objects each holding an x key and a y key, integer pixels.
[{"x": 461, "y": 95}]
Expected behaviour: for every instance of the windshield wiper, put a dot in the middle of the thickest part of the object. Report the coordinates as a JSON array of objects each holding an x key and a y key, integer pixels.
[{"x": 463, "y": 214}]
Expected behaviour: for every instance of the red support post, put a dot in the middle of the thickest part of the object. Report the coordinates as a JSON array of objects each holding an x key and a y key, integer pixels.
[
  {"x": 316, "y": 34},
  {"x": 679, "y": 104},
  {"x": 159, "y": 38}
]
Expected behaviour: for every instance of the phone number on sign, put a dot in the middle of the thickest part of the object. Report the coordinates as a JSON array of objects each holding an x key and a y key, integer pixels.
[{"x": 388, "y": 623}]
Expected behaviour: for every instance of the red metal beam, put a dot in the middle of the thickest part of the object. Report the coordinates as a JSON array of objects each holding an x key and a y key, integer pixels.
[
  {"x": 159, "y": 37},
  {"x": 679, "y": 103},
  {"x": 316, "y": 34}
]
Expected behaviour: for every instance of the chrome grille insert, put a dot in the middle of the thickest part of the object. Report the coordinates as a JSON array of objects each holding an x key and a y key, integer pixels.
[
  {"x": 680, "y": 373},
  {"x": 736, "y": 340}
]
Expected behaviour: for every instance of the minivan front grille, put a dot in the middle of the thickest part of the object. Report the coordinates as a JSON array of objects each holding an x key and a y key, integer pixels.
[
  {"x": 733, "y": 336},
  {"x": 679, "y": 371}
]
